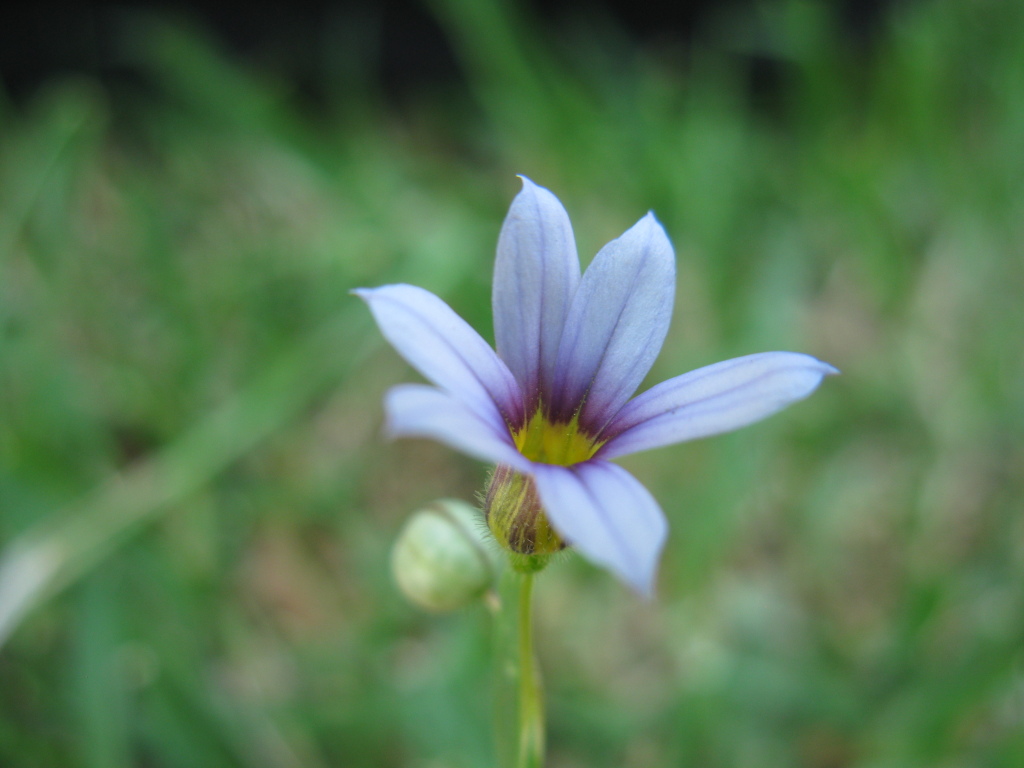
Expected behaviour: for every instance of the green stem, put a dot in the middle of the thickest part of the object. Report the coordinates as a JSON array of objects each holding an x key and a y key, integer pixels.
[
  {"x": 531, "y": 702},
  {"x": 518, "y": 697}
]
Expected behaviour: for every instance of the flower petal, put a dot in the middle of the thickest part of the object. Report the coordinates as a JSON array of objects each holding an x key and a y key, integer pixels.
[
  {"x": 535, "y": 276},
  {"x": 445, "y": 349},
  {"x": 606, "y": 513},
  {"x": 714, "y": 399},
  {"x": 418, "y": 410},
  {"x": 616, "y": 325}
]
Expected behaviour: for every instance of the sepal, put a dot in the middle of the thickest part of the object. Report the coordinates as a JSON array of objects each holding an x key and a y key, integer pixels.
[{"x": 518, "y": 521}]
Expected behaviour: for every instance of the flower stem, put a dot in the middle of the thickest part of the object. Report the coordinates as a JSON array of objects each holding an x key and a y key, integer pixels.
[
  {"x": 531, "y": 702},
  {"x": 518, "y": 698}
]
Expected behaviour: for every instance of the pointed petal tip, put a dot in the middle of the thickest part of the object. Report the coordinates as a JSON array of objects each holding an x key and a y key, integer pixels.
[
  {"x": 649, "y": 228},
  {"x": 643, "y": 584},
  {"x": 540, "y": 205},
  {"x": 825, "y": 369},
  {"x": 542, "y": 196},
  {"x": 531, "y": 187},
  {"x": 368, "y": 293},
  {"x": 651, "y": 219}
]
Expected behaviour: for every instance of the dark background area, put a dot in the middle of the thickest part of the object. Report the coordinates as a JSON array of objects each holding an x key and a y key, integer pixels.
[{"x": 397, "y": 45}]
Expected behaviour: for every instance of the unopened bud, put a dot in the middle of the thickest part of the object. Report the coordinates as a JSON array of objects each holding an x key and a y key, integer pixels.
[
  {"x": 517, "y": 519},
  {"x": 441, "y": 560}
]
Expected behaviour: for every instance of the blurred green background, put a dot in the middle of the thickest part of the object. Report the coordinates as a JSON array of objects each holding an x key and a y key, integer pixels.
[{"x": 196, "y": 505}]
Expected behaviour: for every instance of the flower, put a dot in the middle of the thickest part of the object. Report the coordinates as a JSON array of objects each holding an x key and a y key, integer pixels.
[{"x": 553, "y": 404}]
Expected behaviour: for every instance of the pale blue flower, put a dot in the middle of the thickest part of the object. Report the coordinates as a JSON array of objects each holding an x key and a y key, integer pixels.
[{"x": 553, "y": 403}]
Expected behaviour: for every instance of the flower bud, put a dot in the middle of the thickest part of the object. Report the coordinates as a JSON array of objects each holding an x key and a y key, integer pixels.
[
  {"x": 517, "y": 519},
  {"x": 440, "y": 560}
]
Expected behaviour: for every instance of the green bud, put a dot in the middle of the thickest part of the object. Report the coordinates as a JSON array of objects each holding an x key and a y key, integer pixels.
[
  {"x": 440, "y": 560},
  {"x": 517, "y": 519}
]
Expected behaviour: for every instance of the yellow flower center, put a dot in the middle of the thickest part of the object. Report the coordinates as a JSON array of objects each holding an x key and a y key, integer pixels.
[{"x": 555, "y": 443}]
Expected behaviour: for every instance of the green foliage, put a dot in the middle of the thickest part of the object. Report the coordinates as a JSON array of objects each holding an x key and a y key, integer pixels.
[{"x": 196, "y": 506}]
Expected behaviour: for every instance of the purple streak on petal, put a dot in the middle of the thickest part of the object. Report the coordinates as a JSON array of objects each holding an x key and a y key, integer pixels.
[
  {"x": 616, "y": 324},
  {"x": 418, "y": 410},
  {"x": 445, "y": 349},
  {"x": 606, "y": 513},
  {"x": 712, "y": 400},
  {"x": 535, "y": 276}
]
